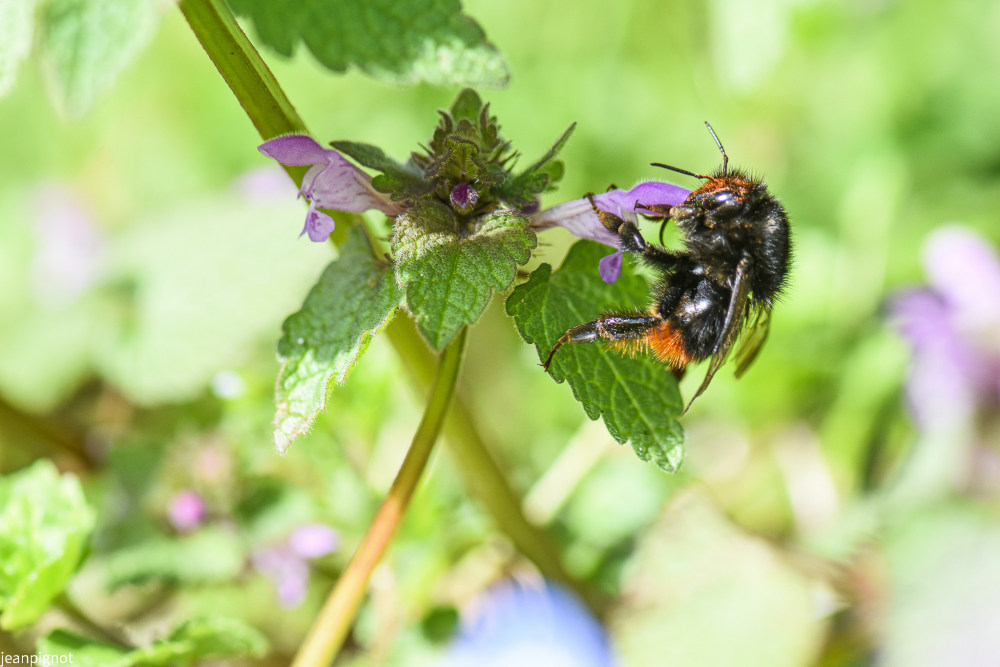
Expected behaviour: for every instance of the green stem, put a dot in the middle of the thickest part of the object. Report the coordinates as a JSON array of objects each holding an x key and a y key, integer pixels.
[
  {"x": 483, "y": 476},
  {"x": 335, "y": 619},
  {"x": 242, "y": 67}
]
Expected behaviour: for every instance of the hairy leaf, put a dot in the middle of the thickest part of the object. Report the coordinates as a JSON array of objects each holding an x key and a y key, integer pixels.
[
  {"x": 354, "y": 299},
  {"x": 405, "y": 41},
  {"x": 448, "y": 277},
  {"x": 44, "y": 525},
  {"x": 637, "y": 396},
  {"x": 88, "y": 43},
  {"x": 16, "y": 30}
]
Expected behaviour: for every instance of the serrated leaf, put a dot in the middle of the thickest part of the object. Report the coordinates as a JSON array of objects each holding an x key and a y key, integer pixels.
[
  {"x": 198, "y": 639},
  {"x": 17, "y": 26},
  {"x": 88, "y": 43},
  {"x": 449, "y": 278},
  {"x": 405, "y": 41},
  {"x": 354, "y": 299},
  {"x": 44, "y": 525},
  {"x": 637, "y": 396}
]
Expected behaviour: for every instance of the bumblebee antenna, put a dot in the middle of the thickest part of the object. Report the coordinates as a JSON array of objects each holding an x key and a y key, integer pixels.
[
  {"x": 725, "y": 158},
  {"x": 678, "y": 170}
]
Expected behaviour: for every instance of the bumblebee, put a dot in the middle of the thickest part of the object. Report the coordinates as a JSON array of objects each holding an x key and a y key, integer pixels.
[{"x": 729, "y": 273}]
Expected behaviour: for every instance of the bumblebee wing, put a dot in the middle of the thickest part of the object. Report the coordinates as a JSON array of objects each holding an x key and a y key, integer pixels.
[
  {"x": 735, "y": 316},
  {"x": 753, "y": 340}
]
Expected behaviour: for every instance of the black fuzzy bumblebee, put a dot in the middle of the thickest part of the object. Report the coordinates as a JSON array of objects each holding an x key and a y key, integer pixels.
[{"x": 730, "y": 271}]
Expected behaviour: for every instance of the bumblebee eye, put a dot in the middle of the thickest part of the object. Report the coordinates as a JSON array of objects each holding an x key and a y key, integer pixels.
[{"x": 723, "y": 200}]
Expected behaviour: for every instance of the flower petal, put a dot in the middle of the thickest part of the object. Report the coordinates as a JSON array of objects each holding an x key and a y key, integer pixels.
[
  {"x": 343, "y": 187},
  {"x": 187, "y": 510},
  {"x": 318, "y": 225},
  {"x": 610, "y": 266},
  {"x": 332, "y": 182},
  {"x": 649, "y": 193},
  {"x": 313, "y": 540},
  {"x": 578, "y": 217},
  {"x": 963, "y": 268},
  {"x": 946, "y": 373},
  {"x": 295, "y": 149},
  {"x": 288, "y": 572}
]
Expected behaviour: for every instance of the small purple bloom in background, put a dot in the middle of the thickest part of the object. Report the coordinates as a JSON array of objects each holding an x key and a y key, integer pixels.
[
  {"x": 187, "y": 511},
  {"x": 287, "y": 564},
  {"x": 70, "y": 251},
  {"x": 511, "y": 624},
  {"x": 288, "y": 572},
  {"x": 578, "y": 217},
  {"x": 314, "y": 540},
  {"x": 953, "y": 327},
  {"x": 331, "y": 182}
]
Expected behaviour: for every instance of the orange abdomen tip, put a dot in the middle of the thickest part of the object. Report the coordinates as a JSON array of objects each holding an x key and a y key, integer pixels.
[{"x": 668, "y": 345}]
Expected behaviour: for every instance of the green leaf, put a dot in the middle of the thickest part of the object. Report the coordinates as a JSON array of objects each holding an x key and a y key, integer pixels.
[
  {"x": 449, "y": 278},
  {"x": 354, "y": 299},
  {"x": 198, "y": 639},
  {"x": 17, "y": 26},
  {"x": 209, "y": 555},
  {"x": 637, "y": 396},
  {"x": 404, "y": 41},
  {"x": 88, "y": 43},
  {"x": 44, "y": 525}
]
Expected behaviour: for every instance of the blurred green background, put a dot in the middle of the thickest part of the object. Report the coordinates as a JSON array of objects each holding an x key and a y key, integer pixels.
[{"x": 146, "y": 264}]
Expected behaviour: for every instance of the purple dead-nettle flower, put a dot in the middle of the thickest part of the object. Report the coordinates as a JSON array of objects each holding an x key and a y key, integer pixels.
[
  {"x": 187, "y": 511},
  {"x": 71, "y": 251},
  {"x": 953, "y": 327},
  {"x": 331, "y": 182},
  {"x": 287, "y": 564},
  {"x": 578, "y": 217},
  {"x": 464, "y": 197},
  {"x": 314, "y": 540}
]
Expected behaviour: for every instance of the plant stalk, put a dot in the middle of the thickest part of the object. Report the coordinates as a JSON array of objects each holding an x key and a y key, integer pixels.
[{"x": 337, "y": 616}]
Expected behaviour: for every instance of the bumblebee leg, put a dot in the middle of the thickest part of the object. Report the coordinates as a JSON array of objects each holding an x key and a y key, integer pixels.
[
  {"x": 611, "y": 327},
  {"x": 631, "y": 239},
  {"x": 654, "y": 210}
]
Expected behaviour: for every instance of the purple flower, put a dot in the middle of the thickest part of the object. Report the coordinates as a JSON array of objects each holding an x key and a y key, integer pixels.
[
  {"x": 511, "y": 624},
  {"x": 610, "y": 266},
  {"x": 578, "y": 217},
  {"x": 331, "y": 182},
  {"x": 287, "y": 564},
  {"x": 953, "y": 327},
  {"x": 288, "y": 572},
  {"x": 187, "y": 511},
  {"x": 313, "y": 540},
  {"x": 70, "y": 248},
  {"x": 464, "y": 197}
]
